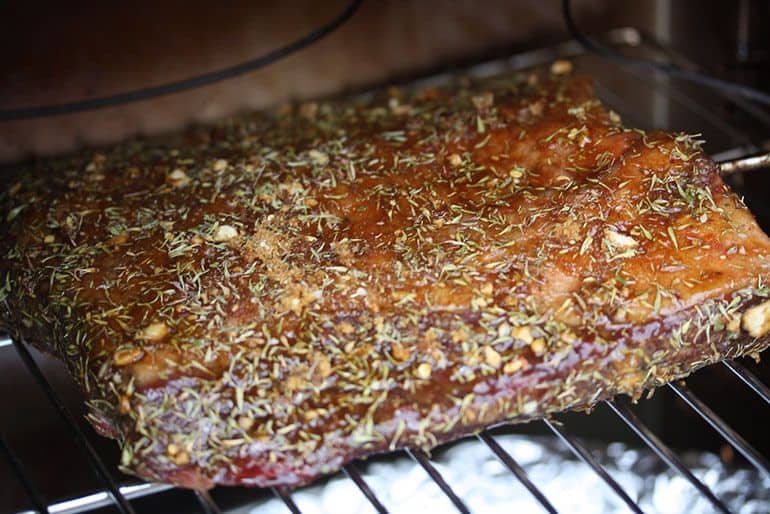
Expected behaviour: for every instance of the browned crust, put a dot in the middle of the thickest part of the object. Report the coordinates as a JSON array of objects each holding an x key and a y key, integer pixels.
[{"x": 262, "y": 301}]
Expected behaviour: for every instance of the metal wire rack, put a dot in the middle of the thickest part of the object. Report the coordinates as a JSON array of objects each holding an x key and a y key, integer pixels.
[{"x": 120, "y": 497}]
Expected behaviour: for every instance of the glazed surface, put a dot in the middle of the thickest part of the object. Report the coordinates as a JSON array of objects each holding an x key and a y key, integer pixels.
[{"x": 260, "y": 301}]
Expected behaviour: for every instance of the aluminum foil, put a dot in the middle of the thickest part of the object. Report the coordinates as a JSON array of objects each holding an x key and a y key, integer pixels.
[{"x": 486, "y": 486}]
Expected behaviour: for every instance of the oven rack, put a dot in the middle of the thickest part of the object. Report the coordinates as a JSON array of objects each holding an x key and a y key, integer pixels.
[
  {"x": 739, "y": 157},
  {"x": 120, "y": 496}
]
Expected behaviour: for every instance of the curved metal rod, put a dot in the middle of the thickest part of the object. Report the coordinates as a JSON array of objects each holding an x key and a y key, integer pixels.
[{"x": 664, "y": 452}]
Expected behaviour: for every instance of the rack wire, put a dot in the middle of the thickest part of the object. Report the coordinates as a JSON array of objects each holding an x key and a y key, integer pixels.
[
  {"x": 120, "y": 497},
  {"x": 123, "y": 495}
]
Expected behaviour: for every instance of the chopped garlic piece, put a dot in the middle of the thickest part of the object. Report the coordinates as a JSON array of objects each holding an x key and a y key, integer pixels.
[
  {"x": 318, "y": 157},
  {"x": 424, "y": 371},
  {"x": 127, "y": 356},
  {"x": 538, "y": 346},
  {"x": 756, "y": 320},
  {"x": 154, "y": 331},
  {"x": 492, "y": 357},
  {"x": 178, "y": 178},
  {"x": 516, "y": 365},
  {"x": 523, "y": 333},
  {"x": 561, "y": 67},
  {"x": 618, "y": 240},
  {"x": 455, "y": 160},
  {"x": 225, "y": 233}
]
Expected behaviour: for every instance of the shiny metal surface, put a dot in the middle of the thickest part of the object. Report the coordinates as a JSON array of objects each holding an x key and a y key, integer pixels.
[{"x": 567, "y": 482}]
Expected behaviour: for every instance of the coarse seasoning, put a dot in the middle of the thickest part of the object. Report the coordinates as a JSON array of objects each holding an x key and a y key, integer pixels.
[{"x": 262, "y": 300}]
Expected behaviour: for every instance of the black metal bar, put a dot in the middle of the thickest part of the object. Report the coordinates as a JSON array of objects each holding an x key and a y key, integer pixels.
[
  {"x": 665, "y": 453},
  {"x": 287, "y": 500},
  {"x": 583, "y": 454},
  {"x": 750, "y": 379},
  {"x": 516, "y": 469},
  {"x": 207, "y": 503},
  {"x": 96, "y": 463},
  {"x": 718, "y": 424},
  {"x": 352, "y": 472},
  {"x": 423, "y": 460},
  {"x": 32, "y": 493}
]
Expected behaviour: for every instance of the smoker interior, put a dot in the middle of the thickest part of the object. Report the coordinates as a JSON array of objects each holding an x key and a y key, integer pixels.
[{"x": 52, "y": 461}]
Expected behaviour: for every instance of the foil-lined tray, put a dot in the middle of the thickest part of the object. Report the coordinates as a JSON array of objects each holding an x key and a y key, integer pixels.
[{"x": 487, "y": 486}]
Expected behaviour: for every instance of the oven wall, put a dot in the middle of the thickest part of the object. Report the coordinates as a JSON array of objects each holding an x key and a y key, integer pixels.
[{"x": 73, "y": 50}]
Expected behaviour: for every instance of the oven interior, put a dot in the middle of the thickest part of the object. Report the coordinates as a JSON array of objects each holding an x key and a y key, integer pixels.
[{"x": 700, "y": 435}]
